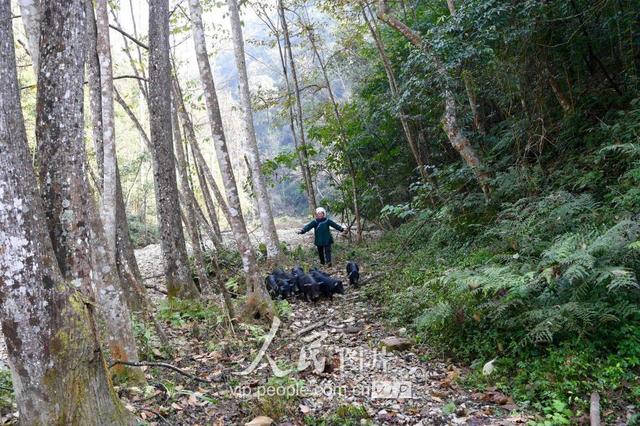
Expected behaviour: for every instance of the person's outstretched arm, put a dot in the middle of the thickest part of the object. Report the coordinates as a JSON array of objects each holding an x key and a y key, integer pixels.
[
  {"x": 309, "y": 226},
  {"x": 335, "y": 226}
]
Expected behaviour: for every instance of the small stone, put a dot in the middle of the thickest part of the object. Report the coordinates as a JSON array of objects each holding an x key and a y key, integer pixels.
[
  {"x": 461, "y": 411},
  {"x": 260, "y": 421},
  {"x": 393, "y": 343}
]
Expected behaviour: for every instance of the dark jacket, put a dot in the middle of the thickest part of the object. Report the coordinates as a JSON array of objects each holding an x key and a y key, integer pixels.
[{"x": 321, "y": 230}]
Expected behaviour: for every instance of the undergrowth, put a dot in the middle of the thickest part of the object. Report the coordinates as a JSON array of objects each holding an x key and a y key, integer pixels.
[{"x": 546, "y": 282}]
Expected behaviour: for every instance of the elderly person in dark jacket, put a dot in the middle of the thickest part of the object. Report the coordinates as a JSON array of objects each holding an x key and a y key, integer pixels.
[{"x": 322, "y": 234}]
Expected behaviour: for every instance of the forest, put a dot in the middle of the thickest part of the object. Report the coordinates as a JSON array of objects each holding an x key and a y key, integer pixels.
[{"x": 320, "y": 212}]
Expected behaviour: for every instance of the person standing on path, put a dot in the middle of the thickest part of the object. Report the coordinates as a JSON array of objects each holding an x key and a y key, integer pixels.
[{"x": 322, "y": 234}]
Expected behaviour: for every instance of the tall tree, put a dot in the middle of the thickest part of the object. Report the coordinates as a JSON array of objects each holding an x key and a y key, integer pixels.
[
  {"x": 342, "y": 143},
  {"x": 103, "y": 47},
  {"x": 258, "y": 301},
  {"x": 74, "y": 224},
  {"x": 126, "y": 263},
  {"x": 205, "y": 178},
  {"x": 450, "y": 122},
  {"x": 303, "y": 162},
  {"x": 253, "y": 155},
  {"x": 395, "y": 92},
  {"x": 59, "y": 373},
  {"x": 174, "y": 251},
  {"x": 306, "y": 170},
  {"x": 190, "y": 201}
]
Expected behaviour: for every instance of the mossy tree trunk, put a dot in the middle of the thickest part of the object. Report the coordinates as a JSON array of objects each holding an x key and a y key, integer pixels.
[
  {"x": 72, "y": 217},
  {"x": 58, "y": 370}
]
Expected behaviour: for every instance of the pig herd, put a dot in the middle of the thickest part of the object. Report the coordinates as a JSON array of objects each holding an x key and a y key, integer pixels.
[{"x": 310, "y": 286}]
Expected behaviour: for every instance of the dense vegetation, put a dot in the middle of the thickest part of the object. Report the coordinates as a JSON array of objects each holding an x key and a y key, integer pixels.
[{"x": 543, "y": 276}]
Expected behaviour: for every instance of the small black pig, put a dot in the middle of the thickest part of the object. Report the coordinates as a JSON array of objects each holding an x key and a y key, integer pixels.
[
  {"x": 353, "y": 273},
  {"x": 271, "y": 282},
  {"x": 280, "y": 273},
  {"x": 310, "y": 288},
  {"x": 285, "y": 288},
  {"x": 328, "y": 286},
  {"x": 296, "y": 274}
]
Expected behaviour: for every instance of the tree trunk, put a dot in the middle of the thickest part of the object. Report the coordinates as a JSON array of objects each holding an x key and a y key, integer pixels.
[
  {"x": 198, "y": 158},
  {"x": 30, "y": 11},
  {"x": 95, "y": 91},
  {"x": 265, "y": 211},
  {"x": 343, "y": 135},
  {"x": 258, "y": 304},
  {"x": 126, "y": 263},
  {"x": 103, "y": 46},
  {"x": 456, "y": 136},
  {"x": 58, "y": 370},
  {"x": 292, "y": 118},
  {"x": 395, "y": 92},
  {"x": 306, "y": 171},
  {"x": 176, "y": 264},
  {"x": 292, "y": 127},
  {"x": 208, "y": 202},
  {"x": 74, "y": 224},
  {"x": 189, "y": 206}
]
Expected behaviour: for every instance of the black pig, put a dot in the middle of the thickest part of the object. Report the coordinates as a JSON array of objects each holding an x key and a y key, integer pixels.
[
  {"x": 297, "y": 274},
  {"x": 353, "y": 273},
  {"x": 310, "y": 288},
  {"x": 271, "y": 282},
  {"x": 328, "y": 286}
]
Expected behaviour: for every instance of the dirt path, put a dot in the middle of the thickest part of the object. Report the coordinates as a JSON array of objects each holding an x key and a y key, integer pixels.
[
  {"x": 353, "y": 377},
  {"x": 392, "y": 386}
]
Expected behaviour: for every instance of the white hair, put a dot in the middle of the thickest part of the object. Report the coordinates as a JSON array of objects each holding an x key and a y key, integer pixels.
[{"x": 321, "y": 210}]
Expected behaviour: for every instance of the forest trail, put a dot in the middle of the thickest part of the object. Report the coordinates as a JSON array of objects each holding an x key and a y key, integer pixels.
[{"x": 346, "y": 333}]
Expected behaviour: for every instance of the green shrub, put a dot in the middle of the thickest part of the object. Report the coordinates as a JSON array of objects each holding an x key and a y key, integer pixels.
[
  {"x": 142, "y": 234},
  {"x": 7, "y": 396},
  {"x": 180, "y": 312}
]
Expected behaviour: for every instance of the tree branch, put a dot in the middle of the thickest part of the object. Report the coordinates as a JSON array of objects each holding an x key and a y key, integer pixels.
[
  {"x": 159, "y": 364},
  {"x": 129, "y": 36}
]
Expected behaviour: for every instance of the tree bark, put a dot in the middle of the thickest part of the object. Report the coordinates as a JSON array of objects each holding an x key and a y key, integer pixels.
[
  {"x": 95, "y": 91},
  {"x": 103, "y": 47},
  {"x": 258, "y": 304},
  {"x": 74, "y": 224},
  {"x": 456, "y": 136},
  {"x": 58, "y": 370},
  {"x": 208, "y": 202},
  {"x": 176, "y": 265},
  {"x": 265, "y": 211},
  {"x": 306, "y": 171}
]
